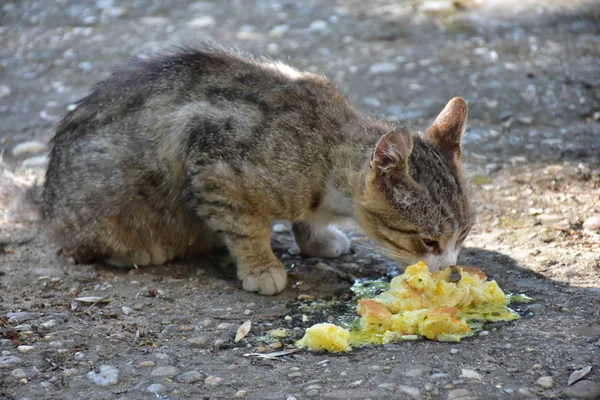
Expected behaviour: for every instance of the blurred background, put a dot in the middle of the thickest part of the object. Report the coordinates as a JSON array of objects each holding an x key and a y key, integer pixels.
[{"x": 529, "y": 69}]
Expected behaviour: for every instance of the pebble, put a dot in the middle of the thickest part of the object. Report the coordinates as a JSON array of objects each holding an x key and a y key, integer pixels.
[
  {"x": 126, "y": 310},
  {"x": 107, "y": 375},
  {"x": 202, "y": 22},
  {"x": 5, "y": 343},
  {"x": 438, "y": 375},
  {"x": 545, "y": 381},
  {"x": 200, "y": 341},
  {"x": 592, "y": 224},
  {"x": 25, "y": 349},
  {"x": 37, "y": 161},
  {"x": 460, "y": 394},
  {"x": 429, "y": 386},
  {"x": 318, "y": 25},
  {"x": 156, "y": 388},
  {"x": 189, "y": 377},
  {"x": 414, "y": 373},
  {"x": 138, "y": 306},
  {"x": 213, "y": 380},
  {"x": 411, "y": 391},
  {"x": 312, "y": 392},
  {"x": 31, "y": 147},
  {"x": 9, "y": 361},
  {"x": 525, "y": 392},
  {"x": 240, "y": 394},
  {"x": 383, "y": 68},
  {"x": 470, "y": 374},
  {"x": 585, "y": 389},
  {"x": 18, "y": 317},
  {"x": 167, "y": 371},
  {"x": 345, "y": 394},
  {"x": 49, "y": 324},
  {"x": 4, "y": 91},
  {"x": 18, "y": 373},
  {"x": 146, "y": 364}
]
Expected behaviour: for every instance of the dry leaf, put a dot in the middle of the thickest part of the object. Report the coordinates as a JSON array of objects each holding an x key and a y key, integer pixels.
[
  {"x": 274, "y": 355},
  {"x": 577, "y": 375},
  {"x": 243, "y": 330}
]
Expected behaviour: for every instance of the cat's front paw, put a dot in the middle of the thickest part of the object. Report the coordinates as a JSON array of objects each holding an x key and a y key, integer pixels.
[
  {"x": 327, "y": 242},
  {"x": 269, "y": 282}
]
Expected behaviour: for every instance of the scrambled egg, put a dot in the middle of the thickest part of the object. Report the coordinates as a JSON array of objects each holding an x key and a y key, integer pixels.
[
  {"x": 326, "y": 337},
  {"x": 438, "y": 306}
]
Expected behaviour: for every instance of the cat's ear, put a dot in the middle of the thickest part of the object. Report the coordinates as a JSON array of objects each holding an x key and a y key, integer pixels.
[
  {"x": 447, "y": 130},
  {"x": 391, "y": 152}
]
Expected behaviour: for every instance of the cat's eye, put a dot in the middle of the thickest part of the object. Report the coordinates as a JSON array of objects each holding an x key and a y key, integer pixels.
[{"x": 432, "y": 244}]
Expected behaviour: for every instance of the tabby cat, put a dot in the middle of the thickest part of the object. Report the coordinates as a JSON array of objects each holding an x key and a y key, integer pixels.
[{"x": 202, "y": 148}]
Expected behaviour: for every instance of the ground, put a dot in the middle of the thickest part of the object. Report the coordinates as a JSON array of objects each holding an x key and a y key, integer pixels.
[{"x": 530, "y": 72}]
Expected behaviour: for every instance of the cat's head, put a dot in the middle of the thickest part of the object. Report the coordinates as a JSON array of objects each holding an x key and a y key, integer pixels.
[{"x": 412, "y": 198}]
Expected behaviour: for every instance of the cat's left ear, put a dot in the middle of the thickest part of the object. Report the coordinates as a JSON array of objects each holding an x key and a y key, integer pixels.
[
  {"x": 447, "y": 130},
  {"x": 391, "y": 153}
]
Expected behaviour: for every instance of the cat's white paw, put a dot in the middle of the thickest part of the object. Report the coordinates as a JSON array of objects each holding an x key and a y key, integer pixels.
[
  {"x": 269, "y": 282},
  {"x": 327, "y": 242}
]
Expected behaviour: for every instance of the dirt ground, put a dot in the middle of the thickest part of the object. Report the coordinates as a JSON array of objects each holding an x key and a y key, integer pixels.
[{"x": 530, "y": 71}]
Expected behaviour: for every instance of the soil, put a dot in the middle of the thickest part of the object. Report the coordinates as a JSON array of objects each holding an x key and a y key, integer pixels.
[{"x": 530, "y": 72}]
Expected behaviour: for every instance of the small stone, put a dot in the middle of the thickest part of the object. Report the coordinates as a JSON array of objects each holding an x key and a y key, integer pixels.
[
  {"x": 49, "y": 324},
  {"x": 138, "y": 306},
  {"x": 189, "y": 377},
  {"x": 37, "y": 161},
  {"x": 213, "y": 380},
  {"x": 438, "y": 375},
  {"x": 460, "y": 394},
  {"x": 107, "y": 375},
  {"x": 240, "y": 394},
  {"x": 18, "y": 373},
  {"x": 410, "y": 391},
  {"x": 312, "y": 392},
  {"x": 429, "y": 386},
  {"x": 18, "y": 317},
  {"x": 248, "y": 312},
  {"x": 295, "y": 375},
  {"x": 280, "y": 228},
  {"x": 25, "y": 349},
  {"x": 525, "y": 392},
  {"x": 414, "y": 373},
  {"x": 453, "y": 351},
  {"x": 545, "y": 381},
  {"x": 318, "y": 25},
  {"x": 202, "y": 22},
  {"x": 219, "y": 344},
  {"x": 579, "y": 374},
  {"x": 69, "y": 372},
  {"x": 279, "y": 30},
  {"x": 4, "y": 91},
  {"x": 126, "y": 310},
  {"x": 146, "y": 364},
  {"x": 383, "y": 68},
  {"x": 592, "y": 224},
  {"x": 5, "y": 343},
  {"x": 31, "y": 147},
  {"x": 585, "y": 389},
  {"x": 199, "y": 342},
  {"x": 470, "y": 374},
  {"x": 224, "y": 326},
  {"x": 167, "y": 371},
  {"x": 276, "y": 345},
  {"x": 156, "y": 388},
  {"x": 9, "y": 361}
]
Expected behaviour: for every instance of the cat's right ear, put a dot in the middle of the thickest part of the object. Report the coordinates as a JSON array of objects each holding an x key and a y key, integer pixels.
[
  {"x": 447, "y": 130},
  {"x": 391, "y": 153}
]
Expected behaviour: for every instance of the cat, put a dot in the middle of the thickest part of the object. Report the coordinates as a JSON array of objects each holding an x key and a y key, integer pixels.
[{"x": 205, "y": 147}]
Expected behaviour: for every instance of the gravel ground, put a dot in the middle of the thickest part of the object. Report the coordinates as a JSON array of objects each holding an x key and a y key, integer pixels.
[{"x": 530, "y": 71}]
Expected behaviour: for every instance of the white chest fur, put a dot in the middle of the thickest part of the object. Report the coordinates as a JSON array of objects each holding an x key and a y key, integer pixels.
[{"x": 334, "y": 206}]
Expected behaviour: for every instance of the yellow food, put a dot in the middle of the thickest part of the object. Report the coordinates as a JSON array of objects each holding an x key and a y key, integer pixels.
[
  {"x": 326, "y": 337},
  {"x": 438, "y": 306}
]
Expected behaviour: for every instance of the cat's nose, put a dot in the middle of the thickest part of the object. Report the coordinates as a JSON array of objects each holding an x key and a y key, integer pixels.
[{"x": 436, "y": 262}]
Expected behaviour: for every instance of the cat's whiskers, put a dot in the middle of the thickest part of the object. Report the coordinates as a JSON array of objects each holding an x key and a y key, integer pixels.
[{"x": 384, "y": 251}]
